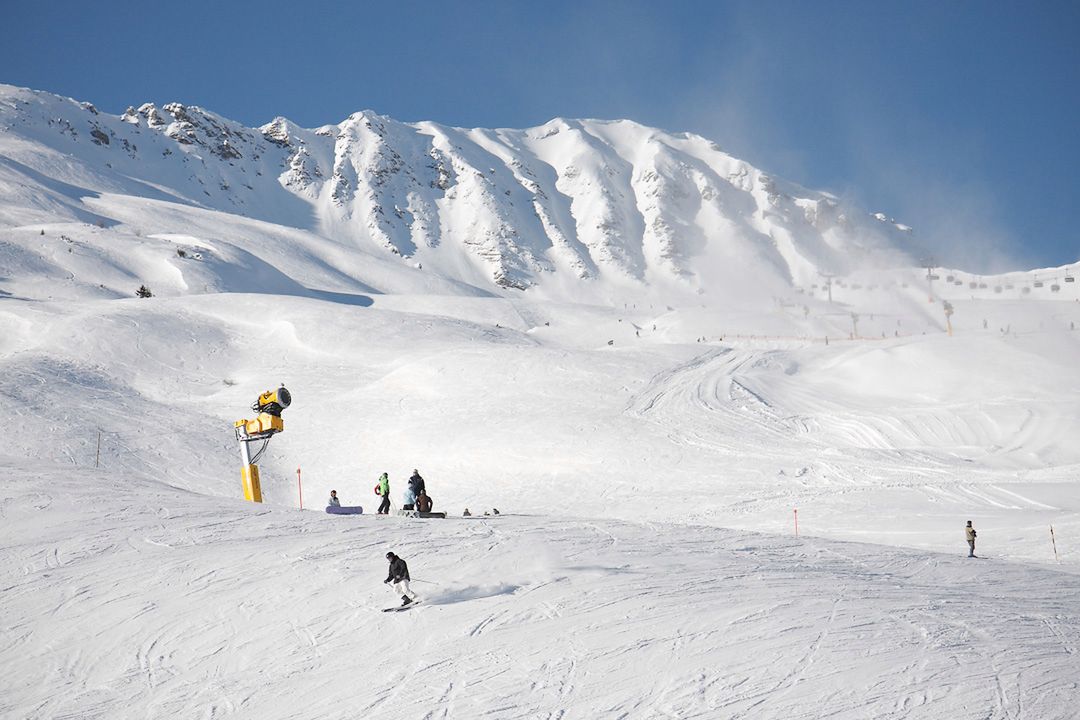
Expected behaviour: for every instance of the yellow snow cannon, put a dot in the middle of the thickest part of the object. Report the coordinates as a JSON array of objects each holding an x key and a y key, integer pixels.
[{"x": 267, "y": 423}]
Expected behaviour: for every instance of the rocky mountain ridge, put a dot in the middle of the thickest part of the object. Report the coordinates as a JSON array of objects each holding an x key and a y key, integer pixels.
[{"x": 583, "y": 200}]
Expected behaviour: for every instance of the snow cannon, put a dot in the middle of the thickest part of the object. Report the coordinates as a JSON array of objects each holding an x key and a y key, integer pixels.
[
  {"x": 272, "y": 402},
  {"x": 269, "y": 407}
]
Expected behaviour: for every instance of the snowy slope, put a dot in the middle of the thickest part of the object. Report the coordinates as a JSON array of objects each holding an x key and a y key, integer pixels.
[
  {"x": 141, "y": 601},
  {"x": 622, "y": 338}
]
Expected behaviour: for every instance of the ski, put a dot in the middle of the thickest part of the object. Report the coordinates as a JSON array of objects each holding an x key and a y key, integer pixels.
[{"x": 399, "y": 608}]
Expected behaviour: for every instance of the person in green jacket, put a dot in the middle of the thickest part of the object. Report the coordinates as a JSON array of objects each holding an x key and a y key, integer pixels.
[{"x": 384, "y": 490}]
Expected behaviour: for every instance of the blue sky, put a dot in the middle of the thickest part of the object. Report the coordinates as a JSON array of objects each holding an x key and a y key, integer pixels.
[{"x": 959, "y": 118}]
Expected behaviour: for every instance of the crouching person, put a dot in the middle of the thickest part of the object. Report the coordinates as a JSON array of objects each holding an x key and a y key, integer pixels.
[{"x": 399, "y": 576}]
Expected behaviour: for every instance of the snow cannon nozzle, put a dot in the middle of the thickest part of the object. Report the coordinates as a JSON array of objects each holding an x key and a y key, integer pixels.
[{"x": 272, "y": 402}]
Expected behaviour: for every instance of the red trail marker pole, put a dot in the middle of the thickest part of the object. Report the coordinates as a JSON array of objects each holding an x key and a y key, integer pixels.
[
  {"x": 300, "y": 488},
  {"x": 796, "y": 522}
]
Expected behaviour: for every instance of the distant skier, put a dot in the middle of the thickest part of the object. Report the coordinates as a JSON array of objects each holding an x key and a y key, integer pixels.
[
  {"x": 423, "y": 502},
  {"x": 969, "y": 532},
  {"x": 399, "y": 576},
  {"x": 384, "y": 490},
  {"x": 334, "y": 502}
]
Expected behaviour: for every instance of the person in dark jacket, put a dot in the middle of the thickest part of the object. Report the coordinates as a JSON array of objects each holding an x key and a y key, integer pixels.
[
  {"x": 416, "y": 483},
  {"x": 423, "y": 502},
  {"x": 399, "y": 576}
]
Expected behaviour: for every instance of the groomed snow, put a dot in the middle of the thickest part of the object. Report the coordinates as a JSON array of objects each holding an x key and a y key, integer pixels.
[{"x": 647, "y": 455}]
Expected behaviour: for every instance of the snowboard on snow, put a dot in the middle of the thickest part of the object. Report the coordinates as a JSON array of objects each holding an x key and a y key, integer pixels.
[{"x": 345, "y": 510}]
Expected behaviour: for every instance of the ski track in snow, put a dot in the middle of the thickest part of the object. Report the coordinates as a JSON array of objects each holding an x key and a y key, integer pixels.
[{"x": 232, "y": 612}]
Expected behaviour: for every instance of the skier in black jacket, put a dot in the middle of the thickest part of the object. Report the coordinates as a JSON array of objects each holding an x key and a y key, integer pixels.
[{"x": 399, "y": 576}]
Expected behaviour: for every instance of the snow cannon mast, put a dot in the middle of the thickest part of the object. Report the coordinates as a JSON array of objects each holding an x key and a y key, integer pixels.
[{"x": 269, "y": 407}]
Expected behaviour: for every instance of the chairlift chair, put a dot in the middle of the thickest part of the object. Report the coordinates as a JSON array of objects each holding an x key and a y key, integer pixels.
[
  {"x": 1038, "y": 283},
  {"x": 1026, "y": 290},
  {"x": 1055, "y": 287}
]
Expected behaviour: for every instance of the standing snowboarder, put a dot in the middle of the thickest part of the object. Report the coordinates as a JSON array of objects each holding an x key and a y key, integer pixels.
[
  {"x": 384, "y": 490},
  {"x": 399, "y": 576},
  {"x": 416, "y": 486},
  {"x": 969, "y": 532}
]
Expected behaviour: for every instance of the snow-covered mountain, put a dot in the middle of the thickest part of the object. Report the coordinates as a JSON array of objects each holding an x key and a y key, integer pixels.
[
  {"x": 607, "y": 202},
  {"x": 733, "y": 429}
]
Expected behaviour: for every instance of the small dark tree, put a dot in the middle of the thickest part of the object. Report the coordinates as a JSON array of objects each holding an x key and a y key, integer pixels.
[{"x": 144, "y": 292}]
